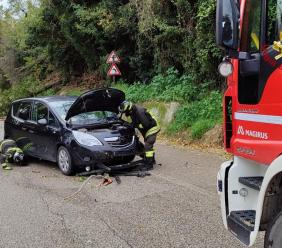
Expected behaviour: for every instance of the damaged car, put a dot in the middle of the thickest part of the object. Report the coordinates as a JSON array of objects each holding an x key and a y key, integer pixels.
[{"x": 78, "y": 133}]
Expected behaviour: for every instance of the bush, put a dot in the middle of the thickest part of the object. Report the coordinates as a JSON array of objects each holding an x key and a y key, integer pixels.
[
  {"x": 200, "y": 110},
  {"x": 166, "y": 88},
  {"x": 200, "y": 127},
  {"x": 27, "y": 87},
  {"x": 200, "y": 115}
]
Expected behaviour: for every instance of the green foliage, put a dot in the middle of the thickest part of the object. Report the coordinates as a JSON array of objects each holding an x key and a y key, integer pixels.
[
  {"x": 49, "y": 92},
  {"x": 200, "y": 109},
  {"x": 194, "y": 114},
  {"x": 73, "y": 92},
  {"x": 200, "y": 127},
  {"x": 168, "y": 87},
  {"x": 151, "y": 36},
  {"x": 207, "y": 54},
  {"x": 28, "y": 87}
]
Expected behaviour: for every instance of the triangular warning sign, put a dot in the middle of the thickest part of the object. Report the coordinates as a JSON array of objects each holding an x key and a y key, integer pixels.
[
  {"x": 114, "y": 71},
  {"x": 113, "y": 58}
]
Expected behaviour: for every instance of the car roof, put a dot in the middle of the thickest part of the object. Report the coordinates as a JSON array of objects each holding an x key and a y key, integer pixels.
[{"x": 48, "y": 99}]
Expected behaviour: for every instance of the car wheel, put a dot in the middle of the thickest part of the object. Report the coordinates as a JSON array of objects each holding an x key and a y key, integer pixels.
[
  {"x": 273, "y": 238},
  {"x": 64, "y": 161}
]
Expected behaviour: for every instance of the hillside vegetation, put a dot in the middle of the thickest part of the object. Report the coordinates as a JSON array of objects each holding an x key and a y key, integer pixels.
[{"x": 167, "y": 48}]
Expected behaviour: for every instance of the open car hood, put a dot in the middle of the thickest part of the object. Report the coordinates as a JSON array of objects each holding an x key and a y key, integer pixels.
[{"x": 97, "y": 100}]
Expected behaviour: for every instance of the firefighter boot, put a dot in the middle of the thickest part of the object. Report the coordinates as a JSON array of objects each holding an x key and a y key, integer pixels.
[
  {"x": 149, "y": 163},
  {"x": 6, "y": 166},
  {"x": 149, "y": 160},
  {"x": 154, "y": 160}
]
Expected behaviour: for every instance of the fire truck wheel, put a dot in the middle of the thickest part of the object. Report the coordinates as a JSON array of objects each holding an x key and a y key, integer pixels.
[{"x": 273, "y": 237}]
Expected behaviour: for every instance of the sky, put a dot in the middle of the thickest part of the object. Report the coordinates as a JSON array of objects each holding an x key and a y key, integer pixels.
[{"x": 4, "y": 3}]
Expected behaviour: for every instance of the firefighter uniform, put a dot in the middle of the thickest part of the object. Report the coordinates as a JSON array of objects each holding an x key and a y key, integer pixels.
[
  {"x": 10, "y": 153},
  {"x": 147, "y": 124}
]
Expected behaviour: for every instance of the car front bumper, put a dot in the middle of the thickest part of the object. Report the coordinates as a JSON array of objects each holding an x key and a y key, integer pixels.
[{"x": 85, "y": 156}]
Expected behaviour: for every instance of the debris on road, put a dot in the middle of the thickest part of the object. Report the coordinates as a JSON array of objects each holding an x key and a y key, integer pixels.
[
  {"x": 107, "y": 181},
  {"x": 118, "y": 180},
  {"x": 80, "y": 189},
  {"x": 136, "y": 168}
]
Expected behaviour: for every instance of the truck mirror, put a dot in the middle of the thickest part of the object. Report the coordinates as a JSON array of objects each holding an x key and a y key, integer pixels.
[{"x": 227, "y": 24}]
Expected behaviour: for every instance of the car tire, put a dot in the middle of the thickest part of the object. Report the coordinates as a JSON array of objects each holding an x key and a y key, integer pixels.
[
  {"x": 273, "y": 237},
  {"x": 64, "y": 161}
]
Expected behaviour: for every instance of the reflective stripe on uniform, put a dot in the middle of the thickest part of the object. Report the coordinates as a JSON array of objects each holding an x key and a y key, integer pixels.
[
  {"x": 6, "y": 166},
  {"x": 255, "y": 39},
  {"x": 14, "y": 149},
  {"x": 127, "y": 118},
  {"x": 152, "y": 131},
  {"x": 27, "y": 147},
  {"x": 154, "y": 117},
  {"x": 150, "y": 154},
  {"x": 4, "y": 142}
]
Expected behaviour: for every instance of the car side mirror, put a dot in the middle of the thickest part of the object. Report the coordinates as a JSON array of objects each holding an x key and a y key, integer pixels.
[
  {"x": 42, "y": 122},
  {"x": 227, "y": 24}
]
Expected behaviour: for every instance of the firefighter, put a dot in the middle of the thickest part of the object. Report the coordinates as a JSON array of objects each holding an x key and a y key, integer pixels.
[
  {"x": 10, "y": 153},
  {"x": 147, "y": 124}
]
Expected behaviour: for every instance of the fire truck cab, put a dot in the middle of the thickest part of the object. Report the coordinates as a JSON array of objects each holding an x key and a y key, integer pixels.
[{"x": 250, "y": 185}]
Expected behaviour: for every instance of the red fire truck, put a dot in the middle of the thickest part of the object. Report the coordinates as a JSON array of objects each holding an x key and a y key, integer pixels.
[{"x": 250, "y": 185}]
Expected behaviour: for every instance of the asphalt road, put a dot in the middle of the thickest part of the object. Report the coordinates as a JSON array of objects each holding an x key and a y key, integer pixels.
[{"x": 176, "y": 207}]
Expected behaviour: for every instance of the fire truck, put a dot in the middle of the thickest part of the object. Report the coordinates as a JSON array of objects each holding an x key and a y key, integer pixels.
[{"x": 250, "y": 185}]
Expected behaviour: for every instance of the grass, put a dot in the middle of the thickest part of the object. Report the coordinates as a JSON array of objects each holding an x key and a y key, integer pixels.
[
  {"x": 198, "y": 117},
  {"x": 73, "y": 91},
  {"x": 165, "y": 88},
  {"x": 200, "y": 108},
  {"x": 200, "y": 127}
]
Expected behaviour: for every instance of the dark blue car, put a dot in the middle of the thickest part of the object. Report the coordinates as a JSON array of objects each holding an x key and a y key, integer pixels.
[{"x": 76, "y": 132}]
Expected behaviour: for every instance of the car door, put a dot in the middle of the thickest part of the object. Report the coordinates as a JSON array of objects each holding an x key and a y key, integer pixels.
[
  {"x": 13, "y": 124},
  {"x": 16, "y": 127},
  {"x": 45, "y": 131},
  {"x": 53, "y": 130}
]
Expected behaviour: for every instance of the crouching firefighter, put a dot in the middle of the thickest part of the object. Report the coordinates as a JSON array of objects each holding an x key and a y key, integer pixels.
[
  {"x": 10, "y": 153},
  {"x": 147, "y": 124}
]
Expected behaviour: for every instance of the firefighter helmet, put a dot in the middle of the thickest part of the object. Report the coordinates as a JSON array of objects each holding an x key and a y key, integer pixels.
[
  {"x": 18, "y": 157},
  {"x": 126, "y": 106}
]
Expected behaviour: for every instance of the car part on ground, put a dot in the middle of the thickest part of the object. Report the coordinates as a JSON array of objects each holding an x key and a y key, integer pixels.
[{"x": 136, "y": 168}]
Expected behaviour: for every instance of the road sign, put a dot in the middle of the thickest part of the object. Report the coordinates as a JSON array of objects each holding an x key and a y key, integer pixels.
[
  {"x": 114, "y": 71},
  {"x": 113, "y": 58}
]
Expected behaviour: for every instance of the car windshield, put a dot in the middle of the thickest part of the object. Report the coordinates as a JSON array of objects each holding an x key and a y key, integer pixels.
[{"x": 95, "y": 117}]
